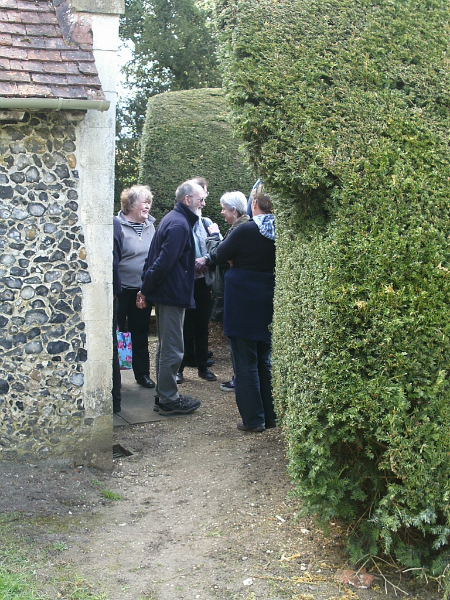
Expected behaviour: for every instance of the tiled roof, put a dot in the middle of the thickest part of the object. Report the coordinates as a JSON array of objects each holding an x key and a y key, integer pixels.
[{"x": 46, "y": 51}]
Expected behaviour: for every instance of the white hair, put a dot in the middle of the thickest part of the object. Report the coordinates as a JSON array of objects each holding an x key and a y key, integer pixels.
[{"x": 235, "y": 200}]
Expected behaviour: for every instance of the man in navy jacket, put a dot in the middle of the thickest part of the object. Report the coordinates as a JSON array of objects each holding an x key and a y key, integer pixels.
[{"x": 168, "y": 283}]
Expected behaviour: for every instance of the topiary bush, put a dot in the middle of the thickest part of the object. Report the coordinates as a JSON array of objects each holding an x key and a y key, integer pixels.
[
  {"x": 343, "y": 108},
  {"x": 186, "y": 134}
]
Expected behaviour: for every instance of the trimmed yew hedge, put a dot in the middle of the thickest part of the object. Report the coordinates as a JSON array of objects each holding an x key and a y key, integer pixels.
[
  {"x": 343, "y": 107},
  {"x": 186, "y": 134}
]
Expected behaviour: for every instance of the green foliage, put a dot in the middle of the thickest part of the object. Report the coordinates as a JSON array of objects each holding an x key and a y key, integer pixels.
[
  {"x": 126, "y": 166},
  {"x": 344, "y": 111},
  {"x": 186, "y": 134},
  {"x": 174, "y": 48}
]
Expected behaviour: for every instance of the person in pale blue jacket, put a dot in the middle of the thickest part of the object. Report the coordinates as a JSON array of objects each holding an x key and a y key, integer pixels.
[{"x": 196, "y": 321}]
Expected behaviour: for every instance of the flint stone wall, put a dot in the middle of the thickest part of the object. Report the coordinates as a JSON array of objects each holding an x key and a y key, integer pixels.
[{"x": 44, "y": 270}]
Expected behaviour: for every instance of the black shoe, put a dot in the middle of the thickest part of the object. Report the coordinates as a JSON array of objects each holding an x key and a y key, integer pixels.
[
  {"x": 207, "y": 375},
  {"x": 183, "y": 406},
  {"x": 145, "y": 381},
  {"x": 271, "y": 424},
  {"x": 210, "y": 353},
  {"x": 179, "y": 378},
  {"x": 116, "y": 408},
  {"x": 210, "y": 362},
  {"x": 157, "y": 404},
  {"x": 242, "y": 427}
]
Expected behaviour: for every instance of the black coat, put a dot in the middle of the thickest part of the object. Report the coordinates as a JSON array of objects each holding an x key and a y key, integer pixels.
[
  {"x": 168, "y": 276},
  {"x": 218, "y": 286}
]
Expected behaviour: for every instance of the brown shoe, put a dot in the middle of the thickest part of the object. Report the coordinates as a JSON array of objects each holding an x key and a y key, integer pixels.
[{"x": 242, "y": 427}]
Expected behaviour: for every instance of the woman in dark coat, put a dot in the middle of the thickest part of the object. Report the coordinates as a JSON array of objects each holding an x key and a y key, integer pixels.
[
  {"x": 233, "y": 211},
  {"x": 249, "y": 289}
]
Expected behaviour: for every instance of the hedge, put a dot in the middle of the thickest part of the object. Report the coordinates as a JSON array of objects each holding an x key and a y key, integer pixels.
[
  {"x": 343, "y": 108},
  {"x": 186, "y": 134}
]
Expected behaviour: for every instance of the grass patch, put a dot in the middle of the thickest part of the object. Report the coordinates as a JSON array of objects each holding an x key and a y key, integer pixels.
[
  {"x": 59, "y": 546},
  {"x": 16, "y": 579},
  {"x": 111, "y": 495},
  {"x": 25, "y": 571}
]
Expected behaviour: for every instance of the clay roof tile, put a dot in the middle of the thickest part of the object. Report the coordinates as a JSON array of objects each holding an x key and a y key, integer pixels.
[{"x": 46, "y": 51}]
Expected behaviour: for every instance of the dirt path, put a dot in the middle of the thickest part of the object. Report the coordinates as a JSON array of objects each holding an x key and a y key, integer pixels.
[{"x": 204, "y": 513}]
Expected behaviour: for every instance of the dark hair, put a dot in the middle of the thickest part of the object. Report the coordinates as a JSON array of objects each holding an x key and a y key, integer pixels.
[
  {"x": 201, "y": 181},
  {"x": 264, "y": 202}
]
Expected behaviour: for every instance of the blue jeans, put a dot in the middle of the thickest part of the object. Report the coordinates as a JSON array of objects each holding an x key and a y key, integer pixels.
[{"x": 253, "y": 381}]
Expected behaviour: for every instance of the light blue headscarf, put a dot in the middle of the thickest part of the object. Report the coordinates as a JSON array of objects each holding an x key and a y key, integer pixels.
[{"x": 266, "y": 225}]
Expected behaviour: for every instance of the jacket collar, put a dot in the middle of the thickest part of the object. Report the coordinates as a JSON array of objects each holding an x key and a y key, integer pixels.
[
  {"x": 149, "y": 220},
  {"x": 187, "y": 212}
]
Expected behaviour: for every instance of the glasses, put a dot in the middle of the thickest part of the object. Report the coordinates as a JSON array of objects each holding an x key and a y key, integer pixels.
[{"x": 201, "y": 199}]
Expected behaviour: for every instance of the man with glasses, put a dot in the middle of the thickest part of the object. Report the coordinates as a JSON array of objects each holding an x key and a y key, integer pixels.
[{"x": 168, "y": 283}]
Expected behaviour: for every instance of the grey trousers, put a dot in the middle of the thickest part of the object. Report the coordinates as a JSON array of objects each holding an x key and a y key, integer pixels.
[{"x": 169, "y": 350}]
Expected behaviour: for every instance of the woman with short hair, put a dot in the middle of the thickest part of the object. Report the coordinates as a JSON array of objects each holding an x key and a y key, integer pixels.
[
  {"x": 138, "y": 231},
  {"x": 234, "y": 205},
  {"x": 249, "y": 289}
]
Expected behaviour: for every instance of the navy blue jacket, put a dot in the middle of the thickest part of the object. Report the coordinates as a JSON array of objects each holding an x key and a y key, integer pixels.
[
  {"x": 248, "y": 304},
  {"x": 168, "y": 276},
  {"x": 249, "y": 284}
]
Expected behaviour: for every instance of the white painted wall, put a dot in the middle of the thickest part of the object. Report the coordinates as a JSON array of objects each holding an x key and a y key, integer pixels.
[{"x": 95, "y": 155}]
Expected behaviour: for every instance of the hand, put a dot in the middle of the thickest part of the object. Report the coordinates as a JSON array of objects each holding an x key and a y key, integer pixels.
[
  {"x": 201, "y": 264},
  {"x": 213, "y": 228},
  {"x": 140, "y": 300}
]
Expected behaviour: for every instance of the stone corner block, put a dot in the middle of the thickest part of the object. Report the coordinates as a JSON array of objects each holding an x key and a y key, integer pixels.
[
  {"x": 107, "y": 7},
  {"x": 97, "y": 302},
  {"x": 100, "y": 249},
  {"x": 98, "y": 380}
]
